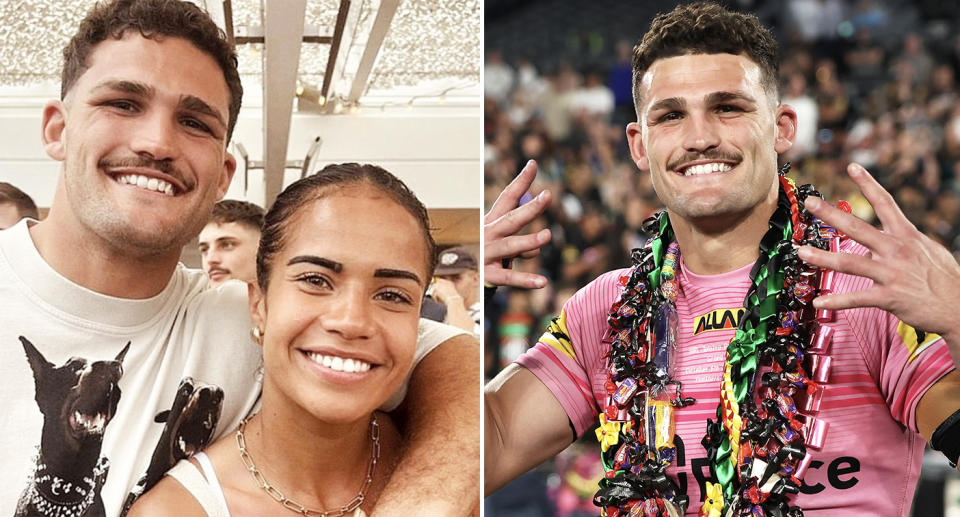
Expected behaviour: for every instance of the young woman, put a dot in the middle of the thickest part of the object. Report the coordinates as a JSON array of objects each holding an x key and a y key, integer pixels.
[{"x": 344, "y": 260}]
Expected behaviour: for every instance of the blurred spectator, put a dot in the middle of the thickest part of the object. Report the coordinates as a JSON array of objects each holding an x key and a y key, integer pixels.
[
  {"x": 817, "y": 20},
  {"x": 869, "y": 14},
  {"x": 555, "y": 103},
  {"x": 15, "y": 204},
  {"x": 497, "y": 77},
  {"x": 795, "y": 95},
  {"x": 529, "y": 80},
  {"x": 864, "y": 61},
  {"x": 620, "y": 80},
  {"x": 457, "y": 286},
  {"x": 572, "y": 487},
  {"x": 228, "y": 243},
  {"x": 593, "y": 97},
  {"x": 917, "y": 56},
  {"x": 832, "y": 97}
]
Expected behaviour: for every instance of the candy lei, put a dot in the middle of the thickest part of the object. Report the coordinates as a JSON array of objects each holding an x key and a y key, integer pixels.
[{"x": 771, "y": 388}]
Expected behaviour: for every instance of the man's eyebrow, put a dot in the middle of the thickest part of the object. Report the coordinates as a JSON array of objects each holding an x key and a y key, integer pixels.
[
  {"x": 124, "y": 86},
  {"x": 198, "y": 105},
  {"x": 397, "y": 273},
  {"x": 720, "y": 97},
  {"x": 187, "y": 102},
  {"x": 335, "y": 266},
  {"x": 671, "y": 104}
]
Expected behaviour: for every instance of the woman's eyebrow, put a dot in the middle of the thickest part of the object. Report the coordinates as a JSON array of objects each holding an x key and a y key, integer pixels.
[
  {"x": 397, "y": 273},
  {"x": 317, "y": 261}
]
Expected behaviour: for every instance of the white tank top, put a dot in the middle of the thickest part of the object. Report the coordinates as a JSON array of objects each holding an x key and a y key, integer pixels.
[{"x": 202, "y": 484}]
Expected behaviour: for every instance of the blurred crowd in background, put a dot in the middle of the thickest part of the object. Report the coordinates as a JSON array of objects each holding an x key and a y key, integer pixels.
[{"x": 872, "y": 81}]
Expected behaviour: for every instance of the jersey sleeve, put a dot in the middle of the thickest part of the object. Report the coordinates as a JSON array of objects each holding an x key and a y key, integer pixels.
[
  {"x": 904, "y": 362},
  {"x": 568, "y": 357}
]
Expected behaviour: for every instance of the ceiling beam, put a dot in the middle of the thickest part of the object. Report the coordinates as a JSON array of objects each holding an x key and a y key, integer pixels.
[
  {"x": 335, "y": 47},
  {"x": 227, "y": 13},
  {"x": 381, "y": 25},
  {"x": 283, "y": 31},
  {"x": 240, "y": 40}
]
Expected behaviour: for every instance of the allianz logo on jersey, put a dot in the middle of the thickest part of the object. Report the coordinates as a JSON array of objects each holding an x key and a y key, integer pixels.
[{"x": 719, "y": 319}]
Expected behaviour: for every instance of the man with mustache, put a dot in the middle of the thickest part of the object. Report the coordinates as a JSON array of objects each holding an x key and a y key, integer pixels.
[
  {"x": 228, "y": 243},
  {"x": 722, "y": 382},
  {"x": 149, "y": 98}
]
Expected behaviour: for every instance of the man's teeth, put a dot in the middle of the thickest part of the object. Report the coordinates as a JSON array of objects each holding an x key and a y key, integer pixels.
[
  {"x": 706, "y": 168},
  {"x": 339, "y": 364},
  {"x": 144, "y": 182}
]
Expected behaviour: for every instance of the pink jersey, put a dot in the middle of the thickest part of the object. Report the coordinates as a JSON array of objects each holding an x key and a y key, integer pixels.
[{"x": 870, "y": 461}]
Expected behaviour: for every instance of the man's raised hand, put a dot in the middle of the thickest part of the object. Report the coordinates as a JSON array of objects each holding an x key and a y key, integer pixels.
[
  {"x": 915, "y": 278},
  {"x": 501, "y": 224}
]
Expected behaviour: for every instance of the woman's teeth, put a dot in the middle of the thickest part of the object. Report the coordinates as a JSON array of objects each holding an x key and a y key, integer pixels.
[
  {"x": 339, "y": 364},
  {"x": 706, "y": 168}
]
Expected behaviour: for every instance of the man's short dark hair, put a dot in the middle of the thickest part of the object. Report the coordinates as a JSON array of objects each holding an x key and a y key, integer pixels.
[
  {"x": 18, "y": 198},
  {"x": 706, "y": 28},
  {"x": 240, "y": 212},
  {"x": 153, "y": 19}
]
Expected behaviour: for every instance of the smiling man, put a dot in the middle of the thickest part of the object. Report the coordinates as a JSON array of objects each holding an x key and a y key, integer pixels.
[
  {"x": 228, "y": 243},
  {"x": 722, "y": 382},
  {"x": 119, "y": 360}
]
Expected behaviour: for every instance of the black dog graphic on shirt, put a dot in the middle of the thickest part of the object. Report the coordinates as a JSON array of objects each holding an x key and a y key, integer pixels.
[
  {"x": 189, "y": 426},
  {"x": 77, "y": 401}
]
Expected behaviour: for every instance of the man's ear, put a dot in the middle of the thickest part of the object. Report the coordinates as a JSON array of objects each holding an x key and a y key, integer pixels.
[
  {"x": 258, "y": 310},
  {"x": 229, "y": 167},
  {"x": 786, "y": 128},
  {"x": 635, "y": 141},
  {"x": 52, "y": 129}
]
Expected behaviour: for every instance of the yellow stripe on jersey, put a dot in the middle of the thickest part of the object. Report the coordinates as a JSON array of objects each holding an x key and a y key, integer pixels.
[
  {"x": 915, "y": 340},
  {"x": 557, "y": 337}
]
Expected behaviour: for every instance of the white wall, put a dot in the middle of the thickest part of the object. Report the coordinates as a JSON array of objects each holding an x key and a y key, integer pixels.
[{"x": 437, "y": 154}]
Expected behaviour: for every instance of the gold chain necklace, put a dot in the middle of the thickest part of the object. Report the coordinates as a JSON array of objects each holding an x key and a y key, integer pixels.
[{"x": 294, "y": 506}]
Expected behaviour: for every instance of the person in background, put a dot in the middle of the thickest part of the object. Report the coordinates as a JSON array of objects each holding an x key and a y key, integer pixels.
[
  {"x": 457, "y": 285},
  {"x": 228, "y": 243},
  {"x": 15, "y": 204}
]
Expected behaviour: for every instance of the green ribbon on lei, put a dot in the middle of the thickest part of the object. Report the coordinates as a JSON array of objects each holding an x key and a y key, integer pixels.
[
  {"x": 742, "y": 350},
  {"x": 657, "y": 245}
]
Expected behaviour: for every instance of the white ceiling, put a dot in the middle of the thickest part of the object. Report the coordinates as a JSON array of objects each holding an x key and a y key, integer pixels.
[{"x": 429, "y": 45}]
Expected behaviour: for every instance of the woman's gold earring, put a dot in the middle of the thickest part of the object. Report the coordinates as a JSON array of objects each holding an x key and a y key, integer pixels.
[{"x": 257, "y": 335}]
